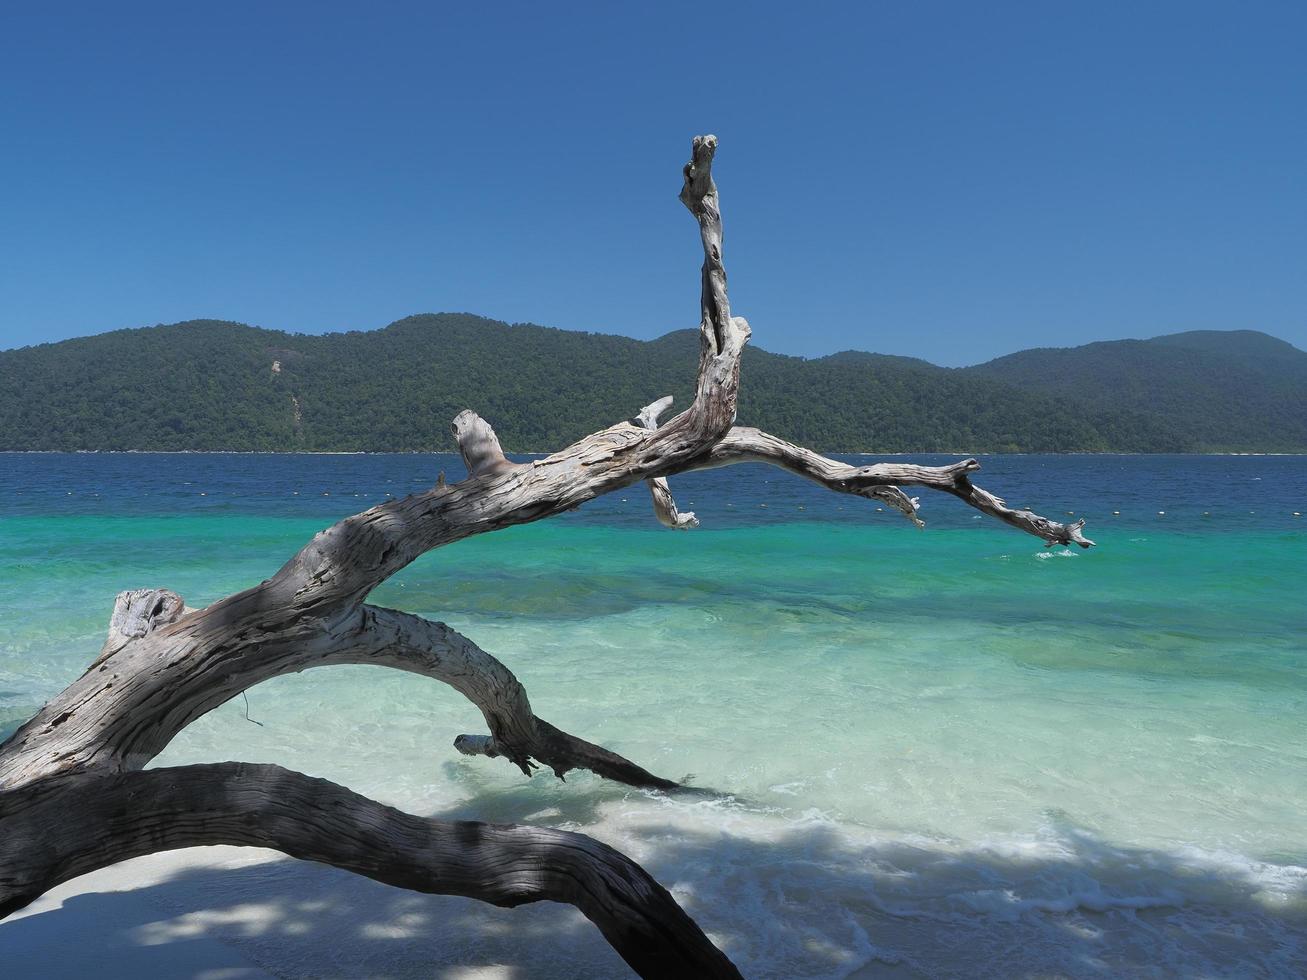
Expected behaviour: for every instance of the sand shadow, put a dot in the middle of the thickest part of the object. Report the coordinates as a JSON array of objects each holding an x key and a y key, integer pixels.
[{"x": 807, "y": 901}]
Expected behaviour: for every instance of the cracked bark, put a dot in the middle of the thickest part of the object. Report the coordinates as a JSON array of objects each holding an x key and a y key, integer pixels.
[{"x": 74, "y": 794}]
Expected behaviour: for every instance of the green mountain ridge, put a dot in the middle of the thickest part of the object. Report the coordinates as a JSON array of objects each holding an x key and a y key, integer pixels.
[
  {"x": 215, "y": 385},
  {"x": 1235, "y": 390}
]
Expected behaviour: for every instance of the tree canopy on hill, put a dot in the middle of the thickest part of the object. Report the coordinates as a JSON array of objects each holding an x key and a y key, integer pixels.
[
  {"x": 211, "y": 385},
  {"x": 1225, "y": 390}
]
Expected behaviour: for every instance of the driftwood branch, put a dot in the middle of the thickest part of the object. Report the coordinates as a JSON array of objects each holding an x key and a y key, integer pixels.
[
  {"x": 478, "y": 445},
  {"x": 743, "y": 444},
  {"x": 664, "y": 504},
  {"x": 58, "y": 828},
  {"x": 124, "y": 689},
  {"x": 73, "y": 793}
]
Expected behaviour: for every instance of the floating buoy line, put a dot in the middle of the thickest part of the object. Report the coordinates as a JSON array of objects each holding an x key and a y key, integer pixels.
[{"x": 729, "y": 504}]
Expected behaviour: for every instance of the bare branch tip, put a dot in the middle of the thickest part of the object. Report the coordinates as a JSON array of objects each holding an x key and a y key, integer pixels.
[
  {"x": 648, "y": 416},
  {"x": 1073, "y": 533},
  {"x": 743, "y": 331},
  {"x": 698, "y": 172},
  {"x": 704, "y": 147}
]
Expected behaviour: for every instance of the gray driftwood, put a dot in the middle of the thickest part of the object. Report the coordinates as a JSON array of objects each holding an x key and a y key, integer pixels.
[{"x": 74, "y": 791}]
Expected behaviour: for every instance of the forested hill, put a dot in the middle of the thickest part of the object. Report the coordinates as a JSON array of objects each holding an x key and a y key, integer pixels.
[
  {"x": 1225, "y": 390},
  {"x": 209, "y": 385}
]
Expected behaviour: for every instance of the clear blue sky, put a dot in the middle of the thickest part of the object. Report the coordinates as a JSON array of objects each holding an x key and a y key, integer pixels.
[{"x": 950, "y": 181}]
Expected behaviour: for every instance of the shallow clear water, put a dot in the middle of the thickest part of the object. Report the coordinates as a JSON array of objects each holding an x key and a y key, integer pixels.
[{"x": 950, "y": 750}]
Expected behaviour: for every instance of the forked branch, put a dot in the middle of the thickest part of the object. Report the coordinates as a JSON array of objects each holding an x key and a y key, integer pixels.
[{"x": 664, "y": 504}]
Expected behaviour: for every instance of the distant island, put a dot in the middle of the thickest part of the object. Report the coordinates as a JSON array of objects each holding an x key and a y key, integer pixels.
[{"x": 208, "y": 385}]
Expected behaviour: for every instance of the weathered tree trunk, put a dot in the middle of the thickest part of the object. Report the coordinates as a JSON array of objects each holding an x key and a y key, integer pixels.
[{"x": 74, "y": 795}]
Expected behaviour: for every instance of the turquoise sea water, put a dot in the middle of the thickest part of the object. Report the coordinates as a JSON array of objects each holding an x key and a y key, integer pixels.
[{"x": 948, "y": 752}]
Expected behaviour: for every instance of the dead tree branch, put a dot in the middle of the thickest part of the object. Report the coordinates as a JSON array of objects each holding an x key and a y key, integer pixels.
[
  {"x": 58, "y": 828},
  {"x": 743, "y": 444}
]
